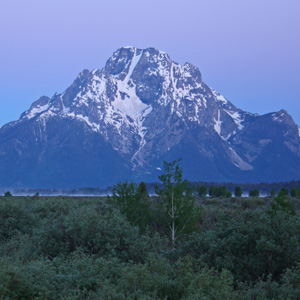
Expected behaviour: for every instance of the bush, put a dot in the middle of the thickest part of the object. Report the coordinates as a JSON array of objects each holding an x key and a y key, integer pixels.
[
  {"x": 282, "y": 203},
  {"x": 251, "y": 246},
  {"x": 86, "y": 277},
  {"x": 288, "y": 287},
  {"x": 108, "y": 234},
  {"x": 133, "y": 202},
  {"x": 14, "y": 219},
  {"x": 85, "y": 249}
]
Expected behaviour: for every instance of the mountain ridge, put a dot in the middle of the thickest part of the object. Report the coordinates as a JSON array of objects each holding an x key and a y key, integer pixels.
[{"x": 142, "y": 108}]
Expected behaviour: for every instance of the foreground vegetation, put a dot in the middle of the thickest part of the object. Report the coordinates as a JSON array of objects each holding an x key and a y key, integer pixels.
[
  {"x": 82, "y": 249},
  {"x": 130, "y": 246}
]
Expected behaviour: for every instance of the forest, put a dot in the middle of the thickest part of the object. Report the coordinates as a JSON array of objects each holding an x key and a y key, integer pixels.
[{"x": 179, "y": 244}]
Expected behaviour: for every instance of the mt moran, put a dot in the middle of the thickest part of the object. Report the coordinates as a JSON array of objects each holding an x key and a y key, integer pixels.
[{"x": 121, "y": 122}]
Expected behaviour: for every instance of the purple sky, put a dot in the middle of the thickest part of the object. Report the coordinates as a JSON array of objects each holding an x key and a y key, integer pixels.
[{"x": 249, "y": 51}]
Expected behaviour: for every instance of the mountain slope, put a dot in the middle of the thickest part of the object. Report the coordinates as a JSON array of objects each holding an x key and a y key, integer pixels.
[{"x": 122, "y": 121}]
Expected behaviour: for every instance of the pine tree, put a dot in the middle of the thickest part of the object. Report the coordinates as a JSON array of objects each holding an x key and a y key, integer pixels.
[
  {"x": 254, "y": 193},
  {"x": 238, "y": 191},
  {"x": 202, "y": 191}
]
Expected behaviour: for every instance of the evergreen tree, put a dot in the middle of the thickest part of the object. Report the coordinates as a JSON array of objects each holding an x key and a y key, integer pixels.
[
  {"x": 238, "y": 192},
  {"x": 8, "y": 194},
  {"x": 143, "y": 188},
  {"x": 295, "y": 192},
  {"x": 202, "y": 191},
  {"x": 228, "y": 194},
  {"x": 254, "y": 193},
  {"x": 220, "y": 191},
  {"x": 284, "y": 192},
  {"x": 212, "y": 191}
]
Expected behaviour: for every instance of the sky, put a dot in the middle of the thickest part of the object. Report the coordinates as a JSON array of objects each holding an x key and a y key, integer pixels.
[{"x": 247, "y": 50}]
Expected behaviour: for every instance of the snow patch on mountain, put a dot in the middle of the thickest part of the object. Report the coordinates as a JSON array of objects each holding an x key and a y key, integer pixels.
[
  {"x": 237, "y": 118},
  {"x": 274, "y": 117},
  {"x": 239, "y": 162},
  {"x": 134, "y": 61},
  {"x": 125, "y": 100},
  {"x": 36, "y": 111},
  {"x": 279, "y": 116},
  {"x": 94, "y": 126},
  {"x": 218, "y": 124},
  {"x": 98, "y": 85},
  {"x": 130, "y": 106},
  {"x": 219, "y": 97}
]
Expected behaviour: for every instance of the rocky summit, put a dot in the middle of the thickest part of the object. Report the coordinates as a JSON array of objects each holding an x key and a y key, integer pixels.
[{"x": 121, "y": 122}]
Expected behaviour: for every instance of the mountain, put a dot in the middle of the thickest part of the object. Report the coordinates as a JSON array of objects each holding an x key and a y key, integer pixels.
[{"x": 121, "y": 122}]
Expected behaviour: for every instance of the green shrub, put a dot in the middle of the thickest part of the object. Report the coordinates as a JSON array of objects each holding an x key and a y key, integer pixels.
[
  {"x": 109, "y": 234},
  {"x": 14, "y": 218},
  {"x": 282, "y": 203},
  {"x": 133, "y": 202},
  {"x": 251, "y": 246}
]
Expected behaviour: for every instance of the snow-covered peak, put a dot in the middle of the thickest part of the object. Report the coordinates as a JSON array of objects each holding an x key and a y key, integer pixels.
[
  {"x": 121, "y": 59},
  {"x": 219, "y": 97},
  {"x": 280, "y": 116},
  {"x": 134, "y": 83},
  {"x": 141, "y": 108},
  {"x": 37, "y": 107}
]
